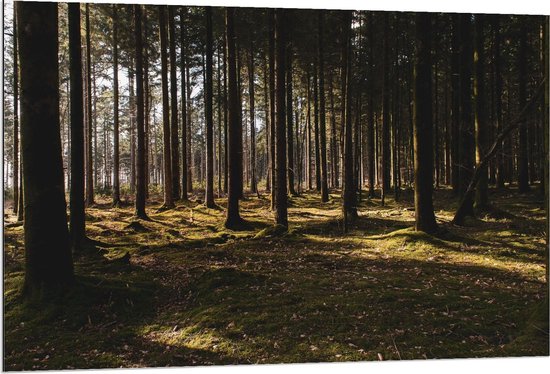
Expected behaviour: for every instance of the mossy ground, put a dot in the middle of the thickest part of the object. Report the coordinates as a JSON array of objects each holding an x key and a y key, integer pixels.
[{"x": 194, "y": 293}]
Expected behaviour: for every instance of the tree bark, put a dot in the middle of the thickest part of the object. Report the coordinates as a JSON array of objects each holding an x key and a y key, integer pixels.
[
  {"x": 16, "y": 166},
  {"x": 322, "y": 111},
  {"x": 480, "y": 116},
  {"x": 140, "y": 120},
  {"x": 174, "y": 141},
  {"x": 253, "y": 183},
  {"x": 423, "y": 127},
  {"x": 233, "y": 219},
  {"x": 77, "y": 222},
  {"x": 350, "y": 197},
  {"x": 48, "y": 260},
  {"x": 523, "y": 165},
  {"x": 184, "y": 123},
  {"x": 386, "y": 152},
  {"x": 116, "y": 125},
  {"x": 289, "y": 124},
  {"x": 168, "y": 193},
  {"x": 209, "y": 194},
  {"x": 89, "y": 150},
  {"x": 281, "y": 214}
]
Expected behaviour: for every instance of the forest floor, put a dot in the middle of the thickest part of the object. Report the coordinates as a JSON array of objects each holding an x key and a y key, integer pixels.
[{"x": 193, "y": 293}]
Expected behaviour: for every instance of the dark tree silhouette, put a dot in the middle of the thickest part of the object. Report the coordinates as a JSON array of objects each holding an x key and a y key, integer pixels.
[
  {"x": 322, "y": 111},
  {"x": 209, "y": 195},
  {"x": 48, "y": 260},
  {"x": 77, "y": 222},
  {"x": 423, "y": 127}
]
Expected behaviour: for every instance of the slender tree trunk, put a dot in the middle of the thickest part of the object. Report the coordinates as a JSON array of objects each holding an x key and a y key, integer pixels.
[
  {"x": 116, "y": 124},
  {"x": 132, "y": 130},
  {"x": 233, "y": 219},
  {"x": 371, "y": 120},
  {"x": 147, "y": 103},
  {"x": 308, "y": 137},
  {"x": 271, "y": 21},
  {"x": 289, "y": 124},
  {"x": 466, "y": 134},
  {"x": 350, "y": 197},
  {"x": 334, "y": 156},
  {"x": 174, "y": 141},
  {"x": 77, "y": 222},
  {"x": 225, "y": 116},
  {"x": 481, "y": 136},
  {"x": 48, "y": 260},
  {"x": 16, "y": 167},
  {"x": 267, "y": 126},
  {"x": 281, "y": 215},
  {"x": 168, "y": 185},
  {"x": 455, "y": 107},
  {"x": 316, "y": 124},
  {"x": 386, "y": 152},
  {"x": 253, "y": 186},
  {"x": 89, "y": 150},
  {"x": 184, "y": 123},
  {"x": 322, "y": 112},
  {"x": 523, "y": 164},
  {"x": 140, "y": 120},
  {"x": 423, "y": 127},
  {"x": 209, "y": 195},
  {"x": 219, "y": 103}
]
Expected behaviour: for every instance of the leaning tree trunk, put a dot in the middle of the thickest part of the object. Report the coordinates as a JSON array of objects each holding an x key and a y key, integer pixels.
[
  {"x": 168, "y": 195},
  {"x": 480, "y": 117},
  {"x": 464, "y": 207},
  {"x": 209, "y": 194},
  {"x": 423, "y": 127},
  {"x": 281, "y": 214},
  {"x": 77, "y": 222},
  {"x": 48, "y": 260}
]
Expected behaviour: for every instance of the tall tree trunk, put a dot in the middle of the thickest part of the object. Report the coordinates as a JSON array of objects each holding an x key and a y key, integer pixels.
[
  {"x": 184, "y": 123},
  {"x": 350, "y": 197},
  {"x": 371, "y": 120},
  {"x": 233, "y": 219},
  {"x": 481, "y": 136},
  {"x": 253, "y": 186},
  {"x": 132, "y": 130},
  {"x": 281, "y": 214},
  {"x": 322, "y": 111},
  {"x": 116, "y": 128},
  {"x": 316, "y": 124},
  {"x": 308, "y": 135},
  {"x": 168, "y": 185},
  {"x": 140, "y": 114},
  {"x": 225, "y": 115},
  {"x": 209, "y": 194},
  {"x": 77, "y": 222},
  {"x": 16, "y": 166},
  {"x": 48, "y": 260},
  {"x": 523, "y": 165},
  {"x": 289, "y": 124},
  {"x": 334, "y": 154},
  {"x": 455, "y": 106},
  {"x": 271, "y": 21},
  {"x": 174, "y": 141},
  {"x": 147, "y": 103},
  {"x": 267, "y": 126},
  {"x": 466, "y": 135},
  {"x": 89, "y": 150},
  {"x": 386, "y": 152},
  {"x": 219, "y": 102},
  {"x": 423, "y": 127}
]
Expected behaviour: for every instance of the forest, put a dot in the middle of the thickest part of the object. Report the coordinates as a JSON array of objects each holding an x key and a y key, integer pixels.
[{"x": 192, "y": 185}]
